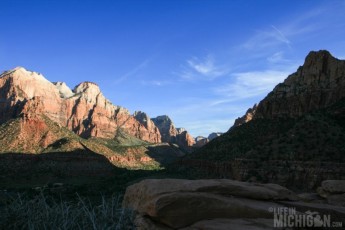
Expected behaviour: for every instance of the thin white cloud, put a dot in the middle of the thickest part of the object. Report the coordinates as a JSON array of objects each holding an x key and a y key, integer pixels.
[
  {"x": 156, "y": 83},
  {"x": 267, "y": 39},
  {"x": 280, "y": 36},
  {"x": 250, "y": 84},
  {"x": 202, "y": 69},
  {"x": 132, "y": 72},
  {"x": 277, "y": 57}
]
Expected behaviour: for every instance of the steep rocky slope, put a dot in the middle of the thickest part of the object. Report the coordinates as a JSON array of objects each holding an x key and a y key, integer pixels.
[
  {"x": 293, "y": 136},
  {"x": 84, "y": 110},
  {"x": 171, "y": 134},
  {"x": 49, "y": 130},
  {"x": 319, "y": 83}
]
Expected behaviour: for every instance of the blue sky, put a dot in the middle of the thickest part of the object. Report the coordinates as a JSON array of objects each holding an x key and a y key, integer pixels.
[{"x": 202, "y": 62}]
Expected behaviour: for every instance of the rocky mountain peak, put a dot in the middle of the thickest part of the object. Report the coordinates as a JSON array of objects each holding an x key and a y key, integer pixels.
[
  {"x": 171, "y": 134},
  {"x": 20, "y": 74},
  {"x": 180, "y": 130},
  {"x": 244, "y": 119},
  {"x": 84, "y": 110},
  {"x": 142, "y": 116},
  {"x": 87, "y": 87},
  {"x": 163, "y": 119},
  {"x": 145, "y": 120},
  {"x": 319, "y": 83},
  {"x": 317, "y": 60},
  {"x": 214, "y": 135},
  {"x": 64, "y": 90}
]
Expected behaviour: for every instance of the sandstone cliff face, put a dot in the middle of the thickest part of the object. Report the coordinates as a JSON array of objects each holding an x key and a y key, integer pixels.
[
  {"x": 153, "y": 131},
  {"x": 171, "y": 134},
  {"x": 185, "y": 140},
  {"x": 319, "y": 83},
  {"x": 84, "y": 110}
]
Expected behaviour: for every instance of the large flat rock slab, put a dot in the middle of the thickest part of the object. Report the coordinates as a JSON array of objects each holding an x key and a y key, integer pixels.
[{"x": 179, "y": 203}]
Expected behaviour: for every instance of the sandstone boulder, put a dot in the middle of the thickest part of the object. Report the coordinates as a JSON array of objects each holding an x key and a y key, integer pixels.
[
  {"x": 333, "y": 186},
  {"x": 180, "y": 203},
  {"x": 233, "y": 224}
]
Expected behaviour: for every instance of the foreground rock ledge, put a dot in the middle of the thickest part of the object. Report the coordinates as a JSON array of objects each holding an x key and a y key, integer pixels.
[{"x": 212, "y": 204}]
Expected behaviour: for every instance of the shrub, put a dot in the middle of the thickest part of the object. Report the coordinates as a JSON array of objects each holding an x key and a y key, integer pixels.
[{"x": 45, "y": 212}]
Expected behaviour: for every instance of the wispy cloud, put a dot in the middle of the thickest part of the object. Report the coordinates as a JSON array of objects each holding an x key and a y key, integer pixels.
[
  {"x": 202, "y": 69},
  {"x": 155, "y": 83},
  {"x": 132, "y": 72},
  {"x": 250, "y": 84},
  {"x": 280, "y": 36},
  {"x": 271, "y": 37}
]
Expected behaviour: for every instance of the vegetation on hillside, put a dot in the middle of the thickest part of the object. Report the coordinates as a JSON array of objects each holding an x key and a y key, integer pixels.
[{"x": 316, "y": 136}]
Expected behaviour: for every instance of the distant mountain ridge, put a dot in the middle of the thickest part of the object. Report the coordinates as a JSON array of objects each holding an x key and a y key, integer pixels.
[
  {"x": 84, "y": 110},
  {"x": 171, "y": 134}
]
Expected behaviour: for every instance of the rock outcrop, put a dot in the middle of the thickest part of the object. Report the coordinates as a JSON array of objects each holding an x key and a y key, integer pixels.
[
  {"x": 166, "y": 128},
  {"x": 185, "y": 140},
  {"x": 145, "y": 120},
  {"x": 84, "y": 110},
  {"x": 171, "y": 134},
  {"x": 219, "y": 204},
  {"x": 214, "y": 135},
  {"x": 319, "y": 83},
  {"x": 201, "y": 141},
  {"x": 333, "y": 191},
  {"x": 246, "y": 117}
]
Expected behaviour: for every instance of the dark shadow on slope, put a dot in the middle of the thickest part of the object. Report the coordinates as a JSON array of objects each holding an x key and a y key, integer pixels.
[
  {"x": 82, "y": 171},
  {"x": 294, "y": 152},
  {"x": 165, "y": 154},
  {"x": 77, "y": 166}
]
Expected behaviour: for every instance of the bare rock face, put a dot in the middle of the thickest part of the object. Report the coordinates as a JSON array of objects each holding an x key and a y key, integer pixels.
[
  {"x": 166, "y": 128},
  {"x": 19, "y": 85},
  {"x": 145, "y": 120},
  {"x": 319, "y": 83},
  {"x": 180, "y": 130},
  {"x": 64, "y": 90},
  {"x": 201, "y": 141},
  {"x": 171, "y": 134},
  {"x": 214, "y": 135},
  {"x": 246, "y": 117},
  {"x": 185, "y": 140},
  {"x": 84, "y": 110}
]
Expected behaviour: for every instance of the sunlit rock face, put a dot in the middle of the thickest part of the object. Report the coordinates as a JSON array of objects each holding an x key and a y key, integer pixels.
[
  {"x": 171, "y": 134},
  {"x": 84, "y": 110},
  {"x": 153, "y": 131}
]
